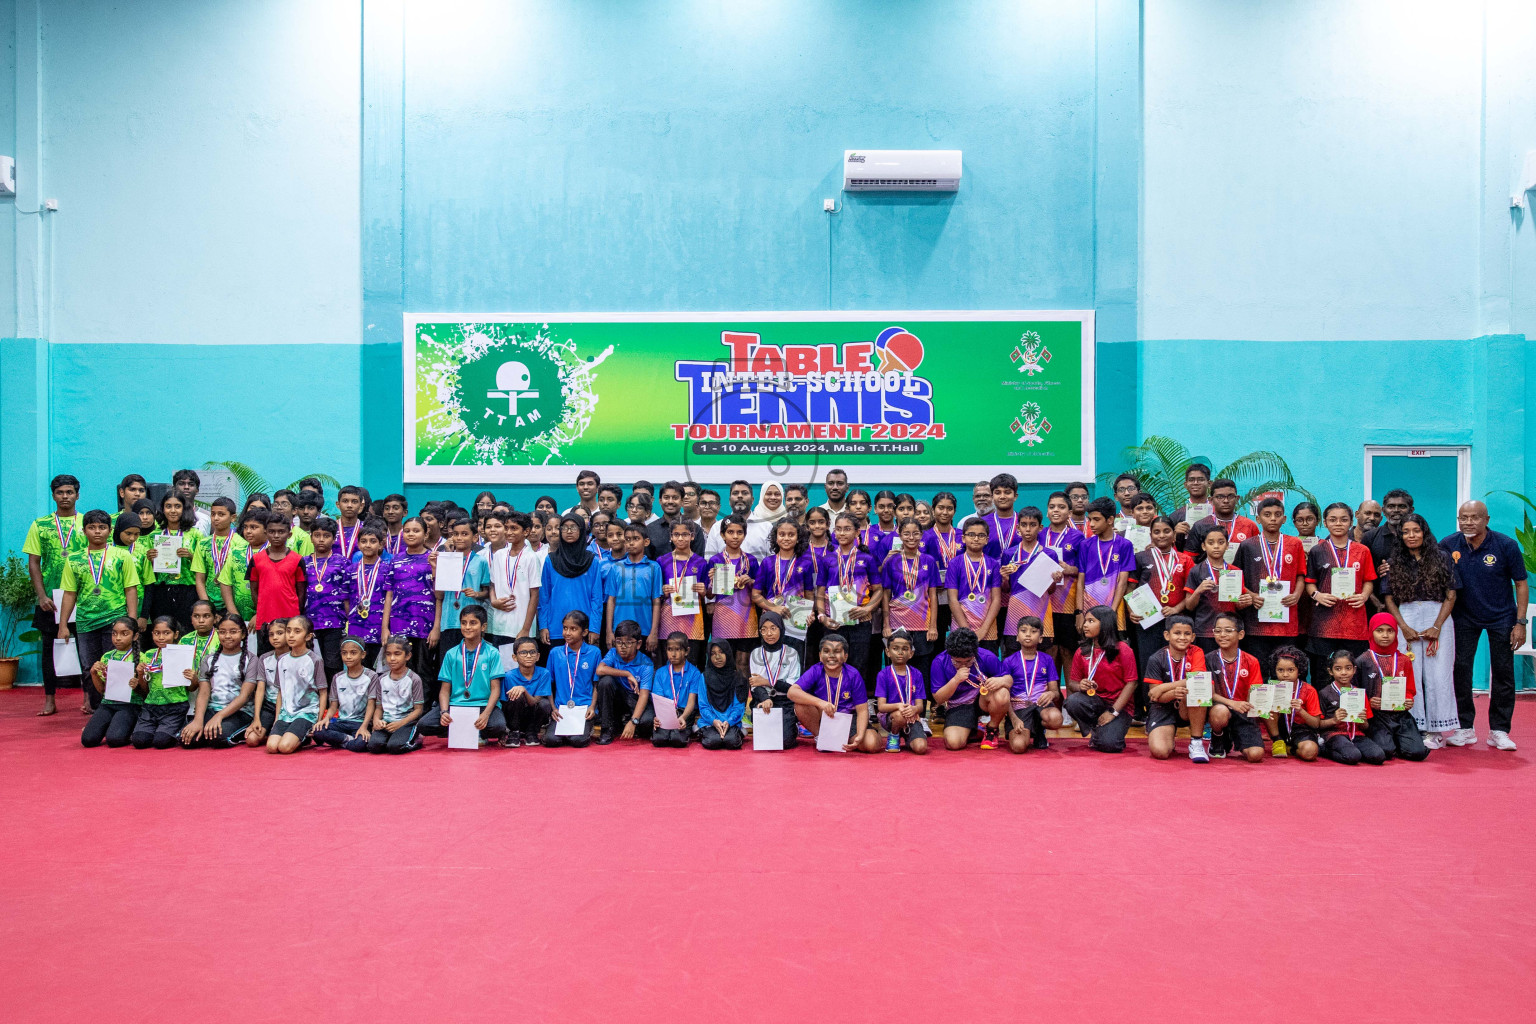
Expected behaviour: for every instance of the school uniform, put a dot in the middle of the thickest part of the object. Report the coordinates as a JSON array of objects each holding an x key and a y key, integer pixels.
[
  {"x": 879, "y": 541},
  {"x": 99, "y": 580},
  {"x": 854, "y": 575},
  {"x": 226, "y": 676},
  {"x": 779, "y": 669},
  {"x": 476, "y": 578},
  {"x": 1340, "y": 627},
  {"x": 905, "y": 687},
  {"x": 574, "y": 674},
  {"x": 963, "y": 709},
  {"x": 735, "y": 615},
  {"x": 528, "y": 713},
  {"x": 908, "y": 584},
  {"x": 1032, "y": 679},
  {"x": 326, "y": 597},
  {"x": 349, "y": 696},
  {"x": 1395, "y": 732},
  {"x": 470, "y": 676},
  {"x": 710, "y": 737},
  {"x": 300, "y": 678},
  {"x": 112, "y": 721},
  {"x": 684, "y": 572},
  {"x": 617, "y": 696},
  {"x": 559, "y": 595},
  {"x": 1207, "y": 607},
  {"x": 974, "y": 581},
  {"x": 1350, "y": 743},
  {"x": 1107, "y": 679},
  {"x": 677, "y": 686},
  {"x": 1231, "y": 679},
  {"x": 1162, "y": 668},
  {"x": 164, "y": 711},
  {"x": 634, "y": 587},
  {"x": 53, "y": 539},
  {"x": 395, "y": 699}
]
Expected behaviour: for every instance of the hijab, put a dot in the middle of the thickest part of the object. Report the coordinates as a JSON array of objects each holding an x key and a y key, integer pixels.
[
  {"x": 571, "y": 560},
  {"x": 1377, "y": 621},
  {"x": 761, "y": 514},
  {"x": 777, "y": 620},
  {"x": 723, "y": 685}
]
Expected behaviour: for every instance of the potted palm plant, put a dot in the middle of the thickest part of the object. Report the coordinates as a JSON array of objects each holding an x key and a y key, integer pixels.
[
  {"x": 16, "y": 599},
  {"x": 1159, "y": 463}
]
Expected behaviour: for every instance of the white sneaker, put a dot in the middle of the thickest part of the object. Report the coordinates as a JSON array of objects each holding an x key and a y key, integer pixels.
[
  {"x": 1499, "y": 740},
  {"x": 1433, "y": 740},
  {"x": 1462, "y": 738},
  {"x": 1197, "y": 752}
]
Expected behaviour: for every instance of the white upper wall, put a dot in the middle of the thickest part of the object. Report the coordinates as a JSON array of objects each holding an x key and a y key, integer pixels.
[{"x": 1312, "y": 169}]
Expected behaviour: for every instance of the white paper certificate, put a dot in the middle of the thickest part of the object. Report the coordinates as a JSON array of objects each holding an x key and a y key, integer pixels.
[
  {"x": 1037, "y": 578},
  {"x": 666, "y": 713},
  {"x": 685, "y": 600},
  {"x": 58, "y": 602},
  {"x": 462, "y": 734},
  {"x": 1194, "y": 512},
  {"x": 1341, "y": 582},
  {"x": 722, "y": 579},
  {"x": 1198, "y": 690},
  {"x": 1352, "y": 704},
  {"x": 450, "y": 572},
  {"x": 1139, "y": 536},
  {"x": 841, "y": 601},
  {"x": 1285, "y": 693},
  {"x": 166, "y": 560},
  {"x": 1394, "y": 693},
  {"x": 119, "y": 681},
  {"x": 801, "y": 611},
  {"x": 1229, "y": 585},
  {"x": 1261, "y": 700},
  {"x": 768, "y": 729},
  {"x": 1272, "y": 610},
  {"x": 174, "y": 662},
  {"x": 572, "y": 720},
  {"x": 1308, "y": 543},
  {"x": 66, "y": 658},
  {"x": 1144, "y": 602},
  {"x": 834, "y": 731}
]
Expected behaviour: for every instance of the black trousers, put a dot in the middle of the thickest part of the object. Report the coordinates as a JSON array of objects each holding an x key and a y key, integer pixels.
[
  {"x": 1085, "y": 710},
  {"x": 670, "y": 737},
  {"x": 48, "y": 625},
  {"x": 526, "y": 716},
  {"x": 112, "y": 723},
  {"x": 1344, "y": 750},
  {"x": 710, "y": 738},
  {"x": 173, "y": 599},
  {"x": 550, "y": 739},
  {"x": 1320, "y": 652},
  {"x": 1501, "y": 674},
  {"x": 231, "y": 731},
  {"x": 159, "y": 725},
  {"x": 616, "y": 703},
  {"x": 1397, "y": 734},
  {"x": 330, "y": 649},
  {"x": 340, "y": 732},
  {"x": 381, "y": 741},
  {"x": 90, "y": 646}
]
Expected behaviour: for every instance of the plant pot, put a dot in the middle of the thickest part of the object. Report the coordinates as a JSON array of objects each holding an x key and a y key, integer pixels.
[{"x": 8, "y": 667}]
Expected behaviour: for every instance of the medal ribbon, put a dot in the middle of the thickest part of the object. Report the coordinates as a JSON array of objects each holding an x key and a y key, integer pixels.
[
  {"x": 470, "y": 666},
  {"x": 1230, "y": 682},
  {"x": 97, "y": 572},
  {"x": 1272, "y": 562},
  {"x": 1165, "y": 571},
  {"x": 64, "y": 538}
]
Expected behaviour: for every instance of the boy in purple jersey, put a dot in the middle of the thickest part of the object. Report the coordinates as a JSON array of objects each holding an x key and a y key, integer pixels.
[
  {"x": 1034, "y": 690},
  {"x": 365, "y": 620},
  {"x": 910, "y": 581},
  {"x": 974, "y": 583},
  {"x": 328, "y": 594},
  {"x": 962, "y": 675},
  {"x": 1021, "y": 600},
  {"x": 899, "y": 700},
  {"x": 1003, "y": 535},
  {"x": 830, "y": 687},
  {"x": 1062, "y": 538},
  {"x": 1104, "y": 563},
  {"x": 412, "y": 604}
]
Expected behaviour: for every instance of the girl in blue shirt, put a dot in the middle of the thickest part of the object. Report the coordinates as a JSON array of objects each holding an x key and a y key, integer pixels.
[
  {"x": 573, "y": 671},
  {"x": 723, "y": 700},
  {"x": 572, "y": 581}
]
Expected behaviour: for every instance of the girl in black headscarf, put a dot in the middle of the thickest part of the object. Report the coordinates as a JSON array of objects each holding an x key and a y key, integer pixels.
[
  {"x": 773, "y": 665},
  {"x": 571, "y": 581},
  {"x": 725, "y": 699}
]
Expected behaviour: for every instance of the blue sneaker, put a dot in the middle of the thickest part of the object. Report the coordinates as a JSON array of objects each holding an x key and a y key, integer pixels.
[{"x": 893, "y": 742}]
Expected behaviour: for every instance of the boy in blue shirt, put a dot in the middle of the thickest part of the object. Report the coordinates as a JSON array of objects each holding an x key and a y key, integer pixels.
[
  {"x": 573, "y": 670},
  {"x": 470, "y": 679},
  {"x": 632, "y": 590},
  {"x": 474, "y": 588},
  {"x": 682, "y": 684},
  {"x": 527, "y": 691},
  {"x": 624, "y": 684}
]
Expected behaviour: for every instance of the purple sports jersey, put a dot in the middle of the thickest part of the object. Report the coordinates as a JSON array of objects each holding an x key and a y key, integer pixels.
[
  {"x": 942, "y": 547},
  {"x": 735, "y": 615},
  {"x": 778, "y": 577},
  {"x": 688, "y": 570},
  {"x": 414, "y": 603},
  {"x": 905, "y": 687},
  {"x": 1066, "y": 542},
  {"x": 1030, "y": 679},
  {"x": 846, "y": 692},
  {"x": 985, "y": 665},
  {"x": 878, "y": 542},
  {"x": 1021, "y": 601},
  {"x": 369, "y": 583},
  {"x": 854, "y": 572},
  {"x": 1101, "y": 562},
  {"x": 1004, "y": 535},
  {"x": 329, "y": 589},
  {"x": 974, "y": 580},
  {"x": 908, "y": 578}
]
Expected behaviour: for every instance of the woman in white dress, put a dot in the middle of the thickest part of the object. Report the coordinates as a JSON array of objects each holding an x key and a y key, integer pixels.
[{"x": 1419, "y": 586}]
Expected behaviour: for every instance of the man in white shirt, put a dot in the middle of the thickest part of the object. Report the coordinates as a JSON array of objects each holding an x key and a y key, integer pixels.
[
  {"x": 981, "y": 497},
  {"x": 759, "y": 541},
  {"x": 836, "y": 483},
  {"x": 186, "y": 483},
  {"x": 587, "y": 483}
]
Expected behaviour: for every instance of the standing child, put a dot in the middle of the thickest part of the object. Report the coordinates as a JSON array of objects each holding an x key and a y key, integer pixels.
[
  {"x": 469, "y": 682},
  {"x": 1167, "y": 678},
  {"x": 208, "y": 561},
  {"x": 770, "y": 665},
  {"x": 1023, "y": 602},
  {"x": 683, "y": 572},
  {"x": 346, "y": 720},
  {"x": 514, "y": 568},
  {"x": 942, "y": 542},
  {"x": 1164, "y": 568},
  {"x": 962, "y": 675},
  {"x": 975, "y": 582},
  {"x": 900, "y": 701},
  {"x": 735, "y": 618},
  {"x": 681, "y": 683},
  {"x": 233, "y": 578},
  {"x": 1102, "y": 675},
  {"x": 328, "y": 577},
  {"x": 99, "y": 585},
  {"x": 1223, "y": 514},
  {"x": 852, "y": 591},
  {"x": 632, "y": 588},
  {"x": 910, "y": 582},
  {"x": 1064, "y": 541},
  {"x": 1033, "y": 690},
  {"x": 722, "y": 701},
  {"x": 787, "y": 577},
  {"x": 1392, "y": 728},
  {"x": 395, "y": 703},
  {"x": 165, "y": 707},
  {"x": 1340, "y": 578},
  {"x": 172, "y": 592},
  {"x": 225, "y": 689},
  {"x": 879, "y": 536},
  {"x": 1274, "y": 569},
  {"x": 1233, "y": 670},
  {"x": 113, "y": 720},
  {"x": 412, "y": 608},
  {"x": 526, "y": 693},
  {"x": 474, "y": 587},
  {"x": 49, "y": 541},
  {"x": 1202, "y": 588},
  {"x": 301, "y": 690},
  {"x": 571, "y": 581},
  {"x": 277, "y": 578},
  {"x": 365, "y": 617},
  {"x": 1104, "y": 563},
  {"x": 573, "y": 667}
]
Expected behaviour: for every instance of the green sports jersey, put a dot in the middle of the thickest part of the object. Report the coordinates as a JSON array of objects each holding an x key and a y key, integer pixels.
[
  {"x": 190, "y": 539},
  {"x": 201, "y": 645},
  {"x": 50, "y": 539},
  {"x": 100, "y": 581},
  {"x": 210, "y": 559},
  {"x": 158, "y": 693},
  {"x": 113, "y": 654},
  {"x": 299, "y": 541},
  {"x": 233, "y": 575}
]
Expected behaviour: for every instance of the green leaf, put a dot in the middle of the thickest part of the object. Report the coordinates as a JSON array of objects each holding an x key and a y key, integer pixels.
[
  {"x": 250, "y": 481},
  {"x": 31, "y": 636}
]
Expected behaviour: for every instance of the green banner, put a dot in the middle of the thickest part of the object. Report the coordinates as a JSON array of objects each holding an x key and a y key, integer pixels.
[{"x": 926, "y": 397}]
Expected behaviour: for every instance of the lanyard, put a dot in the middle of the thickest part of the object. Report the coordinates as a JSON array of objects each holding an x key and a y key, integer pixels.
[
  {"x": 1165, "y": 571},
  {"x": 1095, "y": 659},
  {"x": 572, "y": 662},
  {"x": 1099, "y": 555},
  {"x": 975, "y": 575},
  {"x": 1377, "y": 660},
  {"x": 1183, "y": 669},
  {"x": 320, "y": 569},
  {"x": 1229, "y": 681},
  {"x": 366, "y": 582},
  {"x": 221, "y": 555},
  {"x": 1034, "y": 671},
  {"x": 949, "y": 546},
  {"x": 97, "y": 571},
  {"x": 1272, "y": 561},
  {"x": 773, "y": 672},
  {"x": 672, "y": 681},
  {"x": 778, "y": 573},
  {"x": 909, "y": 572},
  {"x": 845, "y": 567},
  {"x": 837, "y": 700},
  {"x": 1339, "y": 560},
  {"x": 1004, "y": 543},
  {"x": 347, "y": 547},
  {"x": 64, "y": 537},
  {"x": 470, "y": 664},
  {"x": 392, "y": 541},
  {"x": 903, "y": 685},
  {"x": 511, "y": 565}
]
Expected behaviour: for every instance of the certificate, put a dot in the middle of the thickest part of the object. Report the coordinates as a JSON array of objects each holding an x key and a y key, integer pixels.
[
  {"x": 1037, "y": 578},
  {"x": 165, "y": 559},
  {"x": 462, "y": 734},
  {"x": 666, "y": 713},
  {"x": 834, "y": 731},
  {"x": 1229, "y": 584},
  {"x": 572, "y": 721},
  {"x": 1394, "y": 693},
  {"x": 174, "y": 661},
  {"x": 119, "y": 681},
  {"x": 1144, "y": 603},
  {"x": 1198, "y": 690},
  {"x": 842, "y": 601},
  {"x": 58, "y": 602},
  {"x": 1261, "y": 700},
  {"x": 1308, "y": 543},
  {"x": 685, "y": 600},
  {"x": 1123, "y": 523},
  {"x": 1341, "y": 582},
  {"x": 1139, "y": 536},
  {"x": 1272, "y": 610},
  {"x": 1352, "y": 704},
  {"x": 66, "y": 658},
  {"x": 722, "y": 579},
  {"x": 768, "y": 729},
  {"x": 450, "y": 572},
  {"x": 801, "y": 611},
  {"x": 1196, "y": 511},
  {"x": 1285, "y": 693}
]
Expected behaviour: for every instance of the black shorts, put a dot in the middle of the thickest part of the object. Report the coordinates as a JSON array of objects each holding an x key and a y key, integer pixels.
[
  {"x": 293, "y": 727},
  {"x": 917, "y": 730},
  {"x": 1301, "y": 734},
  {"x": 1245, "y": 732},
  {"x": 1160, "y": 714},
  {"x": 963, "y": 716},
  {"x": 1065, "y": 630}
]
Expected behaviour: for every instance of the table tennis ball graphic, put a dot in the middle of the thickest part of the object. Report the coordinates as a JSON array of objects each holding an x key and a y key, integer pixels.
[{"x": 513, "y": 381}]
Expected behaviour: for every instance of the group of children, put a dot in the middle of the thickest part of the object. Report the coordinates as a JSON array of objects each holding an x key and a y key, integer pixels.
[{"x": 884, "y": 610}]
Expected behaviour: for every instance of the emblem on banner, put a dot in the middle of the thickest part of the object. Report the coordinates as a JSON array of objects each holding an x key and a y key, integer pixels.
[
  {"x": 1030, "y": 354},
  {"x": 1030, "y": 426}
]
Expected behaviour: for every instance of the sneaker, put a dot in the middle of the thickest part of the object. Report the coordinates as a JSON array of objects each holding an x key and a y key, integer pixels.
[
  {"x": 1219, "y": 746},
  {"x": 1206, "y": 736},
  {"x": 989, "y": 738},
  {"x": 1279, "y": 749},
  {"x": 1499, "y": 740},
  {"x": 1462, "y": 738},
  {"x": 1197, "y": 752},
  {"x": 512, "y": 739},
  {"x": 893, "y": 742},
  {"x": 805, "y": 733},
  {"x": 1432, "y": 740}
]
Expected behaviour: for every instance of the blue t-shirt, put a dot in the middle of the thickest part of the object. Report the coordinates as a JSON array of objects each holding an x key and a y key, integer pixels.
[
  {"x": 469, "y": 675},
  {"x": 541, "y": 685},
  {"x": 477, "y": 576},
  {"x": 640, "y": 667},
  {"x": 1488, "y": 575},
  {"x": 633, "y": 586},
  {"x": 573, "y": 673},
  {"x": 678, "y": 686}
]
